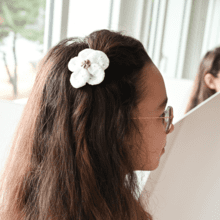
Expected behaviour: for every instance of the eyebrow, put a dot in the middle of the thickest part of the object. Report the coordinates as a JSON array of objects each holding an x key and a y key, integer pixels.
[{"x": 163, "y": 104}]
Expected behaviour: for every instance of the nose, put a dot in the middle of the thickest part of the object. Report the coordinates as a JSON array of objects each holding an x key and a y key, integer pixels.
[{"x": 172, "y": 128}]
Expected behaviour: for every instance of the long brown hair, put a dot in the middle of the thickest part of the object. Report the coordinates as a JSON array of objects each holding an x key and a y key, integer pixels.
[
  {"x": 200, "y": 92},
  {"x": 69, "y": 157}
]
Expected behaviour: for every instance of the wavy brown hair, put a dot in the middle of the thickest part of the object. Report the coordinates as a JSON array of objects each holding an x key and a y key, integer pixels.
[
  {"x": 200, "y": 92},
  {"x": 69, "y": 157}
]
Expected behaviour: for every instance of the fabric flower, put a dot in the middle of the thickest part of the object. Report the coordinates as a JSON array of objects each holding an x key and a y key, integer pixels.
[{"x": 88, "y": 67}]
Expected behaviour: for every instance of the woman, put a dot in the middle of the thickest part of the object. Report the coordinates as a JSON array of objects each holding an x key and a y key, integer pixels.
[
  {"x": 207, "y": 81},
  {"x": 95, "y": 115}
]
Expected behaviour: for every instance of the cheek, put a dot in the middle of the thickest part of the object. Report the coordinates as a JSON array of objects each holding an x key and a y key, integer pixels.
[
  {"x": 149, "y": 150},
  {"x": 154, "y": 137}
]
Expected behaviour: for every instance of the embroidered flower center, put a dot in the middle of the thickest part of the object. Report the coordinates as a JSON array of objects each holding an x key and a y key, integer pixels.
[{"x": 86, "y": 64}]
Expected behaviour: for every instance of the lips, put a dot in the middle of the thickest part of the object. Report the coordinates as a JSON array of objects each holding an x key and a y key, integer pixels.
[{"x": 163, "y": 150}]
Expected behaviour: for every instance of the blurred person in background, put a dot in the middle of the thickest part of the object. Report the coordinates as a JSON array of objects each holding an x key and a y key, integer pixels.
[
  {"x": 207, "y": 80},
  {"x": 96, "y": 114}
]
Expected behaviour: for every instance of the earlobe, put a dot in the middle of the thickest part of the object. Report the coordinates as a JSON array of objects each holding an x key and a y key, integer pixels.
[{"x": 209, "y": 80}]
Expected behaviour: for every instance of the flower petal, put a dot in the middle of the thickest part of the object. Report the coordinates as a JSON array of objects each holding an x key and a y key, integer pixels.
[
  {"x": 97, "y": 74},
  {"x": 84, "y": 54},
  {"x": 100, "y": 58},
  {"x": 94, "y": 80},
  {"x": 94, "y": 68},
  {"x": 74, "y": 63},
  {"x": 79, "y": 78}
]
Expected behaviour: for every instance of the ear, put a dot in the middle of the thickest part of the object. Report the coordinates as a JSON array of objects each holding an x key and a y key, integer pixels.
[{"x": 209, "y": 81}]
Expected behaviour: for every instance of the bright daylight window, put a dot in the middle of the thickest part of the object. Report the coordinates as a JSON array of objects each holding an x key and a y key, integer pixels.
[
  {"x": 86, "y": 16},
  {"x": 21, "y": 45}
]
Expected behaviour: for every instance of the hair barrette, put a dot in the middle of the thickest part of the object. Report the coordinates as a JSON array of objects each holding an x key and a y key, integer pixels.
[{"x": 88, "y": 67}]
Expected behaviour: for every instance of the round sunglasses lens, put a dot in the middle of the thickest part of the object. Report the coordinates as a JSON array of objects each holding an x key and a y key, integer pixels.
[{"x": 168, "y": 120}]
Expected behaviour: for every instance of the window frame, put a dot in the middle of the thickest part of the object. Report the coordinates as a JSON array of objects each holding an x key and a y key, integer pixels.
[{"x": 56, "y": 22}]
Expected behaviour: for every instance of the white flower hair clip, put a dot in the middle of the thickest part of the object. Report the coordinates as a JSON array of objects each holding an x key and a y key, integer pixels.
[{"x": 88, "y": 67}]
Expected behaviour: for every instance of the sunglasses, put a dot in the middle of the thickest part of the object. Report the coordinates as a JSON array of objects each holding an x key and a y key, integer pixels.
[{"x": 167, "y": 118}]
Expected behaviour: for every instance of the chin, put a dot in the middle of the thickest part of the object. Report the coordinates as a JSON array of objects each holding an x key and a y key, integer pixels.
[
  {"x": 150, "y": 168},
  {"x": 153, "y": 167}
]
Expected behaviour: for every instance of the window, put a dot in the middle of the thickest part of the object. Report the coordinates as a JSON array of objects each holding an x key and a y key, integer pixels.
[
  {"x": 21, "y": 45},
  {"x": 86, "y": 16}
]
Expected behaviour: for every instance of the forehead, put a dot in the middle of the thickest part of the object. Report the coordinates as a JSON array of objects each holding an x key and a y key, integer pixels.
[{"x": 154, "y": 91}]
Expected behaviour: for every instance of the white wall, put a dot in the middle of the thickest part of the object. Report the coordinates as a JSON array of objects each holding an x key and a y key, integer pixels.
[{"x": 10, "y": 113}]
